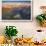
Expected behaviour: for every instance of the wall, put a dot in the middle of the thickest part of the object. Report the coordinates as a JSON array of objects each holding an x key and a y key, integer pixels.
[{"x": 26, "y": 28}]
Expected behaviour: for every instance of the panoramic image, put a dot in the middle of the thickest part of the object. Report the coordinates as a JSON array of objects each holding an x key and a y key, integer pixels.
[{"x": 16, "y": 10}]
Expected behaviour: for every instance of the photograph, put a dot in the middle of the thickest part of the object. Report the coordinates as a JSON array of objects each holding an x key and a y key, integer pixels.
[
  {"x": 23, "y": 23},
  {"x": 16, "y": 10}
]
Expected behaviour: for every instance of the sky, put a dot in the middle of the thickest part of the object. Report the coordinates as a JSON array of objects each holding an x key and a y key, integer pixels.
[{"x": 15, "y": 0}]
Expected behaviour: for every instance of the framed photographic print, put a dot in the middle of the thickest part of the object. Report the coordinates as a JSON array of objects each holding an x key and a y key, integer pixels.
[{"x": 17, "y": 10}]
